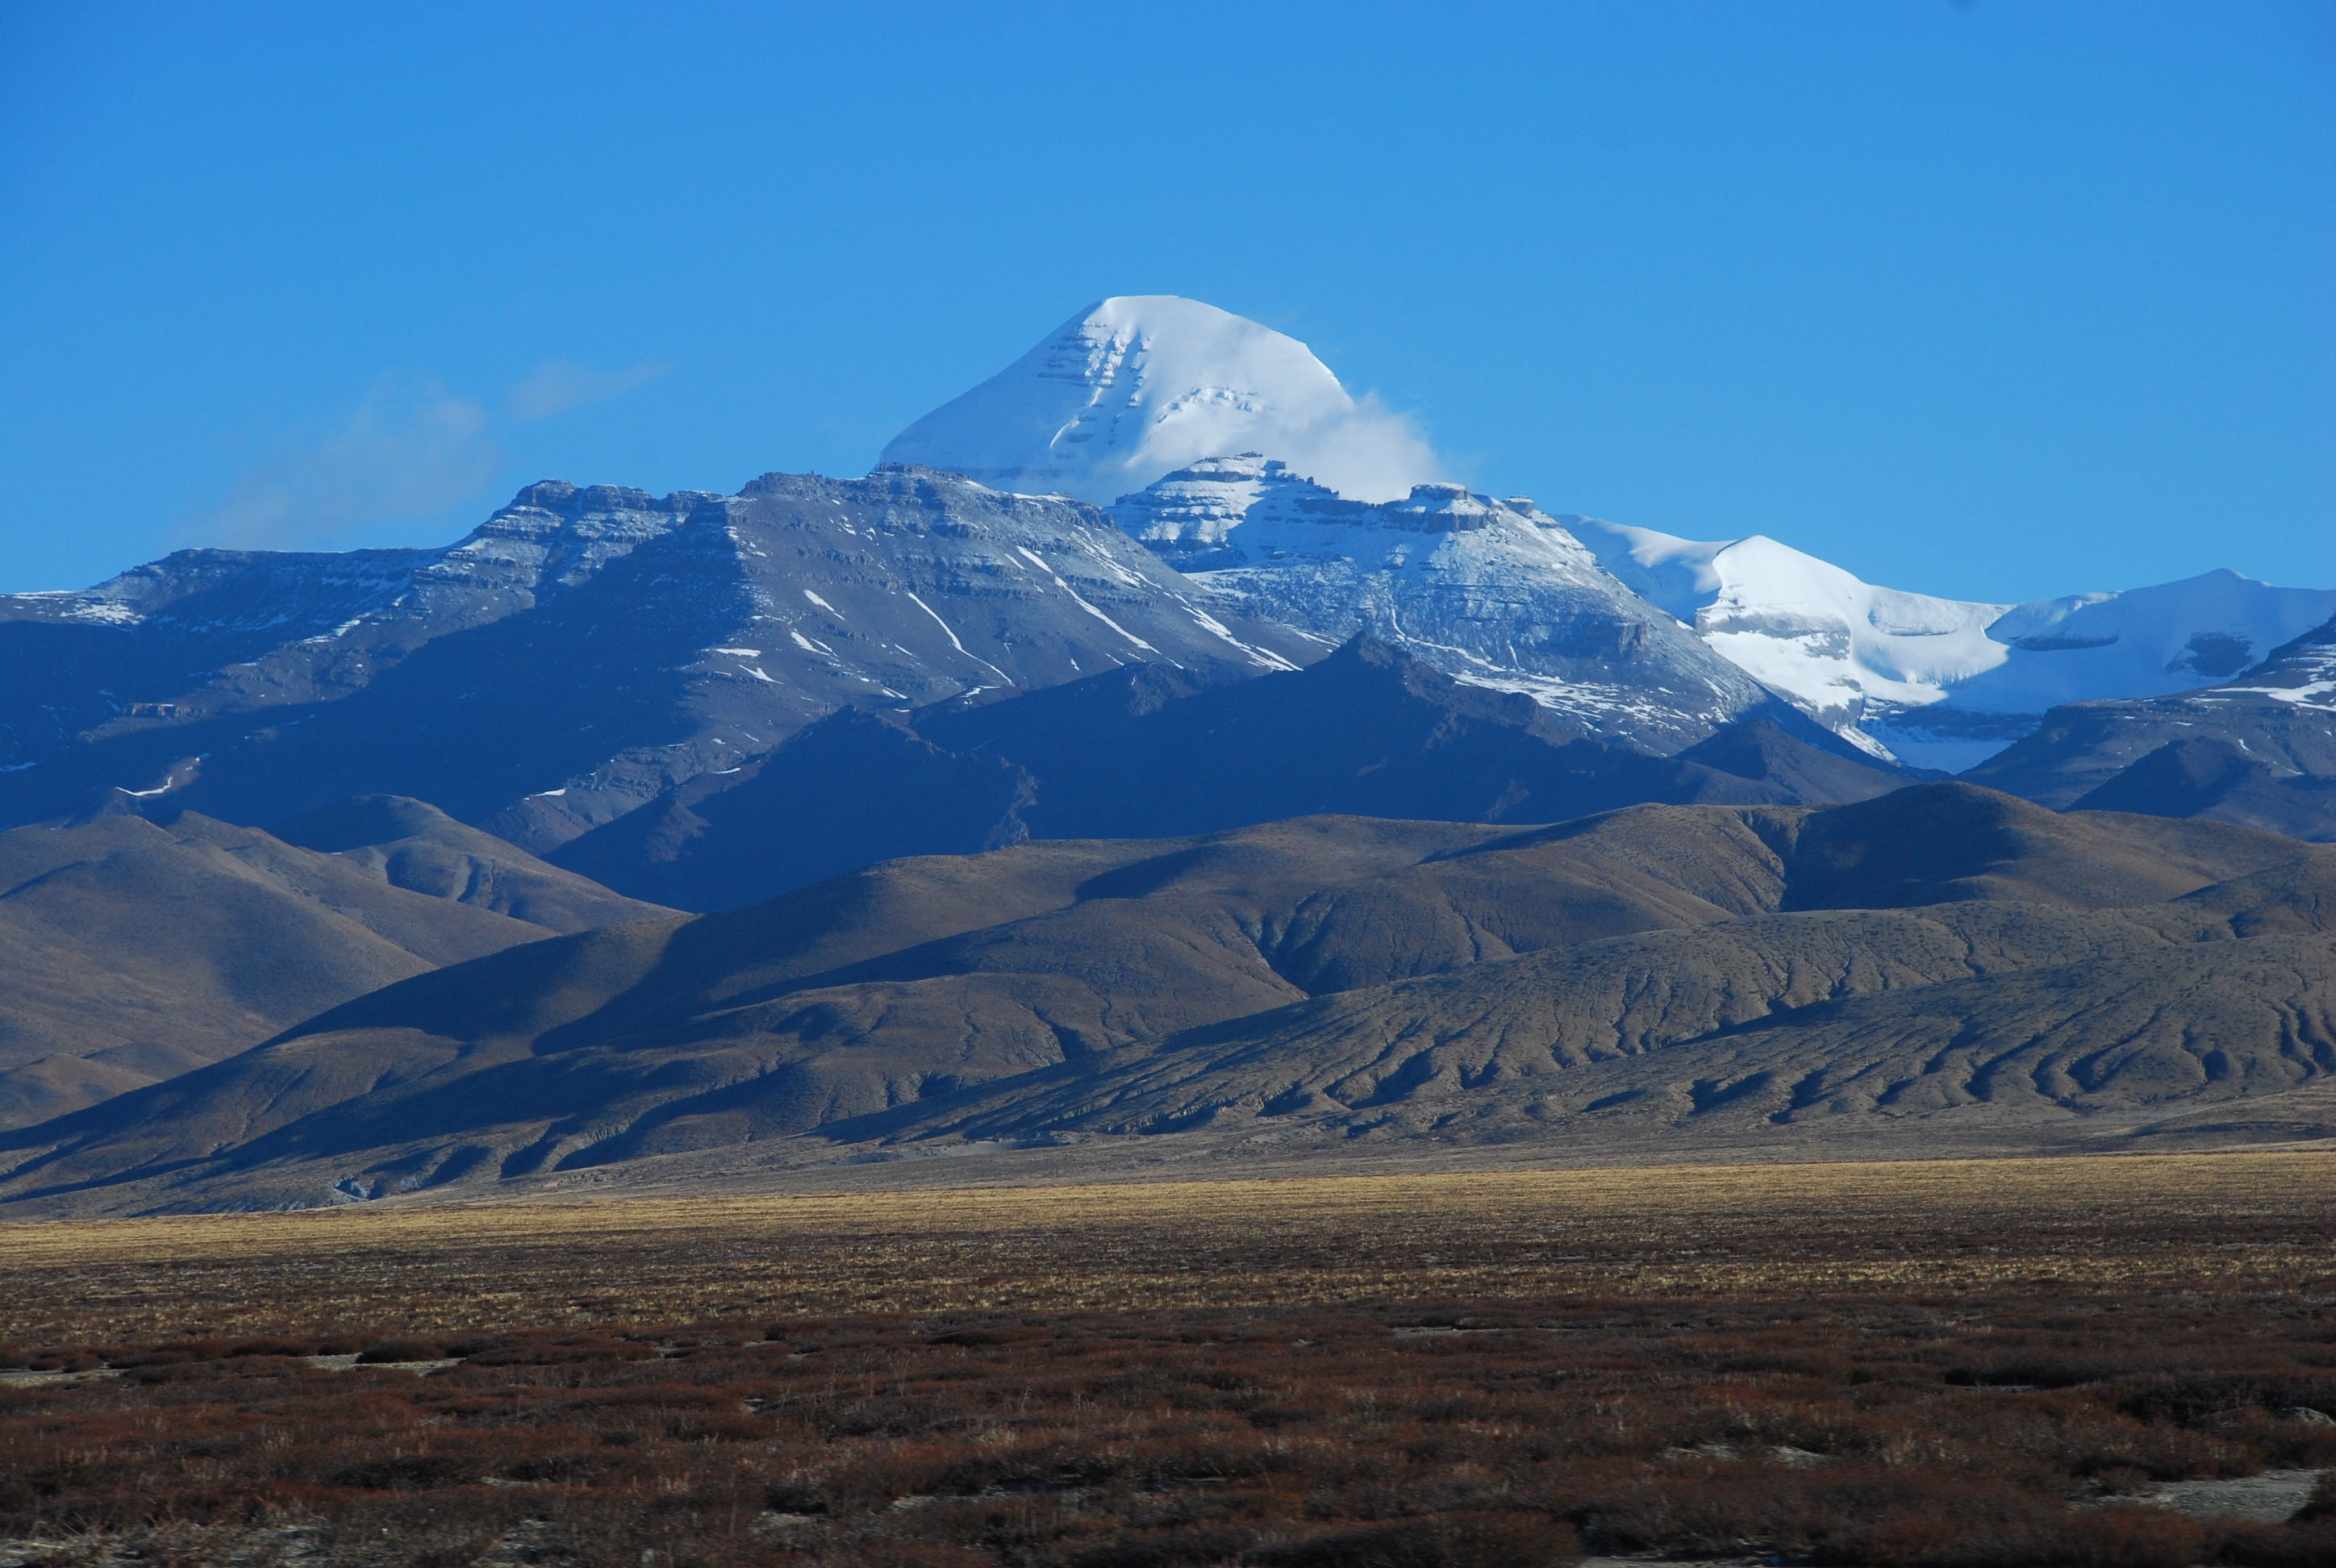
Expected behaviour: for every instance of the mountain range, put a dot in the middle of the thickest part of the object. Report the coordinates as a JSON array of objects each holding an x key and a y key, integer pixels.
[
  {"x": 1157, "y": 757},
  {"x": 1943, "y": 683},
  {"x": 1199, "y": 432},
  {"x": 576, "y": 654}
]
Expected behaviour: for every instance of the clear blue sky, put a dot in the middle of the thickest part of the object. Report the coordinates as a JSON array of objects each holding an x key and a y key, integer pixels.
[{"x": 1999, "y": 299}]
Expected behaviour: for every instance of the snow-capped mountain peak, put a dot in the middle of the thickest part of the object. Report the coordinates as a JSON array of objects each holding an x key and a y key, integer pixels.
[
  {"x": 1843, "y": 648},
  {"x": 1940, "y": 682},
  {"x": 1137, "y": 385}
]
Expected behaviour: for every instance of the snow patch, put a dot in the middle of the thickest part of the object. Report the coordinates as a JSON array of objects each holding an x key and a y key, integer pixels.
[
  {"x": 1040, "y": 563},
  {"x": 954, "y": 643}
]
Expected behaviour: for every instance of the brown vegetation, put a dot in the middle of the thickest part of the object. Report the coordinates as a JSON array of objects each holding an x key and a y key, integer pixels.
[
  {"x": 1941, "y": 1365},
  {"x": 1865, "y": 1429}
]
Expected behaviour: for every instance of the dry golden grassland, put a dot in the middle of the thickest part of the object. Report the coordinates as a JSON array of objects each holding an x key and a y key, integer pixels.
[{"x": 2247, "y": 1222}]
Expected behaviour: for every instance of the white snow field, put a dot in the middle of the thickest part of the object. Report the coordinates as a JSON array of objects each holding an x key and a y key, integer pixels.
[
  {"x": 1138, "y": 385},
  {"x": 1947, "y": 682}
]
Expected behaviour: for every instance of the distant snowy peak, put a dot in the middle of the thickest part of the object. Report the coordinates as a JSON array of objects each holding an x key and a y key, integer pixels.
[
  {"x": 1139, "y": 385},
  {"x": 1939, "y": 682},
  {"x": 1845, "y": 650}
]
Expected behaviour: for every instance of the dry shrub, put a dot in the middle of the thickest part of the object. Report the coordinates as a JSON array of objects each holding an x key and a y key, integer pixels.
[
  {"x": 550, "y": 1350},
  {"x": 2311, "y": 1544},
  {"x": 2120, "y": 1536},
  {"x": 1452, "y": 1541},
  {"x": 1833, "y": 1429}
]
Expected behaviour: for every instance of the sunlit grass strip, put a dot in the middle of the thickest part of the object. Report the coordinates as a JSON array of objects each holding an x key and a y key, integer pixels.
[{"x": 2229, "y": 1220}]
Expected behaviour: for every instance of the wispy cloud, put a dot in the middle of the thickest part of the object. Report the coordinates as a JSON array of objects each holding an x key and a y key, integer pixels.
[
  {"x": 411, "y": 450},
  {"x": 557, "y": 386},
  {"x": 1368, "y": 452}
]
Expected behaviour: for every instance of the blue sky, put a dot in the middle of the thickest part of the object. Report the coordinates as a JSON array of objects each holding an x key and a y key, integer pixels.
[{"x": 1998, "y": 299}]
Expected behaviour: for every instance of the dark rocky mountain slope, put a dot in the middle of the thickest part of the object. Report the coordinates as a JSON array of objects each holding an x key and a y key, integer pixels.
[
  {"x": 131, "y": 950},
  {"x": 1326, "y": 983},
  {"x": 1152, "y": 751},
  {"x": 577, "y": 654}
]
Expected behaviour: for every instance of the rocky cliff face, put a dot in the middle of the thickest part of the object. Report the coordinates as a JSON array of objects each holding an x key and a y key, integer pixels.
[{"x": 1494, "y": 593}]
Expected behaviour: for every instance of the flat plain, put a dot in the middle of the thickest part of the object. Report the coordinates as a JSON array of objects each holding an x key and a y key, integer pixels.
[
  {"x": 2240, "y": 1221},
  {"x": 1938, "y": 1364}
]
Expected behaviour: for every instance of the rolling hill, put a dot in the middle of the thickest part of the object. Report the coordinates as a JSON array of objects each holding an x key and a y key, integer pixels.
[
  {"x": 131, "y": 950},
  {"x": 1937, "y": 961}
]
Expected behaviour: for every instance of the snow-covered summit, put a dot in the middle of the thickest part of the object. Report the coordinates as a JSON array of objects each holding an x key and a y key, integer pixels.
[
  {"x": 1138, "y": 385},
  {"x": 1847, "y": 651},
  {"x": 1940, "y": 682}
]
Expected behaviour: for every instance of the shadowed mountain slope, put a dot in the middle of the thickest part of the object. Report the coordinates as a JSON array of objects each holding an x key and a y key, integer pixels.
[
  {"x": 1336, "y": 970},
  {"x": 411, "y": 844},
  {"x": 1812, "y": 1018},
  {"x": 130, "y": 950},
  {"x": 1155, "y": 752},
  {"x": 2259, "y": 751},
  {"x": 577, "y": 653}
]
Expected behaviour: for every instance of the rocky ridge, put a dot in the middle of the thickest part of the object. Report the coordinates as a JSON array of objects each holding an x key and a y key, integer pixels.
[
  {"x": 577, "y": 653},
  {"x": 1494, "y": 593}
]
